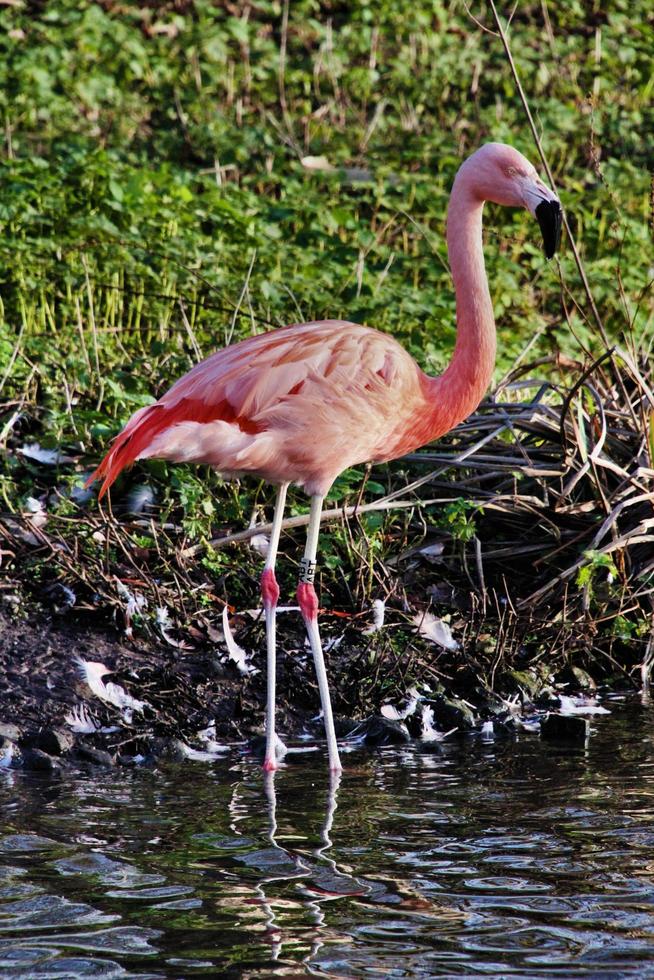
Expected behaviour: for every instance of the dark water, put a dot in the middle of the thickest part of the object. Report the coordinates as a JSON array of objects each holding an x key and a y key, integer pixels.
[{"x": 502, "y": 859}]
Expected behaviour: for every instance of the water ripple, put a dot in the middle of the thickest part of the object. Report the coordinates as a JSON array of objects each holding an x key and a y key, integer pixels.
[{"x": 519, "y": 860}]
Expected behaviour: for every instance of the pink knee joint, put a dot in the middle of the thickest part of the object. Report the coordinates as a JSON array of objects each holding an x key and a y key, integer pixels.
[
  {"x": 308, "y": 600},
  {"x": 269, "y": 588}
]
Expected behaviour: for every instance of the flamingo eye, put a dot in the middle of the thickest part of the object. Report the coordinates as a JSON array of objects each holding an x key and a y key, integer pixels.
[{"x": 515, "y": 172}]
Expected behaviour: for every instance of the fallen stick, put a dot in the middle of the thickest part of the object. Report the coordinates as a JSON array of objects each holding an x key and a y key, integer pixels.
[{"x": 336, "y": 513}]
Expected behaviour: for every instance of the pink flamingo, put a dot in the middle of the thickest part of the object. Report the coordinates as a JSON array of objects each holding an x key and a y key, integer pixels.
[{"x": 303, "y": 403}]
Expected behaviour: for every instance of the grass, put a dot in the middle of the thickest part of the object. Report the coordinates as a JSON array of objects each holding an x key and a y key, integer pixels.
[{"x": 154, "y": 205}]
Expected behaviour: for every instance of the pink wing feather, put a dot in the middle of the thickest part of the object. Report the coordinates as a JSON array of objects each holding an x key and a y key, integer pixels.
[{"x": 298, "y": 404}]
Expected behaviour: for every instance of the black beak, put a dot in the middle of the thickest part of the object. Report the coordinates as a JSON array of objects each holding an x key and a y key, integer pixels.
[{"x": 550, "y": 218}]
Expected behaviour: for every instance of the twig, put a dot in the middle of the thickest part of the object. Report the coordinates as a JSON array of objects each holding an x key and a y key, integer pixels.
[
  {"x": 244, "y": 289},
  {"x": 335, "y": 514},
  {"x": 635, "y": 536},
  {"x": 544, "y": 160},
  {"x": 281, "y": 80},
  {"x": 94, "y": 329},
  {"x": 189, "y": 330}
]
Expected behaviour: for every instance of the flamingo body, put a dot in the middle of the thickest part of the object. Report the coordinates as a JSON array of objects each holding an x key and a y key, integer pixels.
[
  {"x": 296, "y": 405},
  {"x": 303, "y": 403}
]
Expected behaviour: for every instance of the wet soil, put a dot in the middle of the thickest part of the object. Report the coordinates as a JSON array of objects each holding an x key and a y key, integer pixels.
[
  {"x": 51, "y": 718},
  {"x": 42, "y": 682}
]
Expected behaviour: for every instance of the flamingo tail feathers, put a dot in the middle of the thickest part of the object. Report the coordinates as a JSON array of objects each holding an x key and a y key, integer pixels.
[
  {"x": 130, "y": 444},
  {"x": 137, "y": 438}
]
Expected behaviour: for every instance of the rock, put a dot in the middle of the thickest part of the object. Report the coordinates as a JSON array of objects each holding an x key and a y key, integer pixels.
[
  {"x": 97, "y": 757},
  {"x": 413, "y": 723},
  {"x": 565, "y": 728},
  {"x": 345, "y": 726},
  {"x": 433, "y": 747},
  {"x": 583, "y": 679},
  {"x": 12, "y": 732},
  {"x": 53, "y": 741},
  {"x": 140, "y": 498},
  {"x": 131, "y": 761},
  {"x": 547, "y": 700},
  {"x": 505, "y": 727},
  {"x": 383, "y": 731},
  {"x": 452, "y": 713},
  {"x": 168, "y": 748},
  {"x": 38, "y": 761},
  {"x": 526, "y": 681}
]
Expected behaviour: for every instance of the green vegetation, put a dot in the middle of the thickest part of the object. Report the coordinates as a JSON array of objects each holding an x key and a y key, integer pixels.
[{"x": 174, "y": 176}]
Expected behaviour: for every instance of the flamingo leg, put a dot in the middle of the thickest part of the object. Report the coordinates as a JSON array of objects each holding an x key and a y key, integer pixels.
[
  {"x": 309, "y": 606},
  {"x": 270, "y": 595}
]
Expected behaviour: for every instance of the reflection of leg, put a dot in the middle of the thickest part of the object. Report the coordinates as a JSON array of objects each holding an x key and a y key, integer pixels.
[
  {"x": 270, "y": 595},
  {"x": 309, "y": 605},
  {"x": 271, "y": 796},
  {"x": 330, "y": 810}
]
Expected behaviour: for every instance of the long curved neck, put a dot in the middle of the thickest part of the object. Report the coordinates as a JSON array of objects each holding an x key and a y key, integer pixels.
[{"x": 458, "y": 391}]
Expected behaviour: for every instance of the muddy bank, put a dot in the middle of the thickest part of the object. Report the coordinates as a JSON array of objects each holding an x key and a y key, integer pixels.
[
  {"x": 74, "y": 695},
  {"x": 44, "y": 686}
]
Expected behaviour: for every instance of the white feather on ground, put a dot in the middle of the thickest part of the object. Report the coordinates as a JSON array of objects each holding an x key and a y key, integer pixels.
[
  {"x": 92, "y": 673},
  {"x": 333, "y": 643},
  {"x": 578, "y": 706},
  {"x": 260, "y": 543},
  {"x": 208, "y": 737},
  {"x": 134, "y": 603},
  {"x": 79, "y": 720},
  {"x": 378, "y": 614},
  {"x": 165, "y": 623},
  {"x": 429, "y": 733},
  {"x": 202, "y": 755},
  {"x": 432, "y": 551},
  {"x": 280, "y": 748},
  {"x": 513, "y": 705},
  {"x": 140, "y": 498},
  {"x": 436, "y": 630},
  {"x": 236, "y": 653},
  {"x": 256, "y": 613},
  {"x": 399, "y": 714},
  {"x": 35, "y": 512},
  {"x": 48, "y": 457}
]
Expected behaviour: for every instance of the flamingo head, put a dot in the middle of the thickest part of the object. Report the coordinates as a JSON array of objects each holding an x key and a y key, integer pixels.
[{"x": 499, "y": 173}]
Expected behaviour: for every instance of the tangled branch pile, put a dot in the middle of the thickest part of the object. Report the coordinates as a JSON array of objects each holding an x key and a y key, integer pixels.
[{"x": 563, "y": 477}]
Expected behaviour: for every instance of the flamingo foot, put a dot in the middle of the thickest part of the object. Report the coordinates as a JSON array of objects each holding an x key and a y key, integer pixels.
[{"x": 274, "y": 757}]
